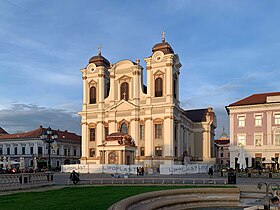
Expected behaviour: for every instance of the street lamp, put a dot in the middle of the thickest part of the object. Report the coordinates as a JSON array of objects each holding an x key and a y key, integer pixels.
[
  {"x": 49, "y": 136},
  {"x": 266, "y": 198}
]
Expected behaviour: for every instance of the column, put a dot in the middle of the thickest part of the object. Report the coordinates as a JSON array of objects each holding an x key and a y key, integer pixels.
[
  {"x": 168, "y": 126},
  {"x": 149, "y": 137},
  {"x": 84, "y": 141},
  {"x": 135, "y": 131},
  {"x": 85, "y": 92},
  {"x": 231, "y": 123},
  {"x": 269, "y": 127}
]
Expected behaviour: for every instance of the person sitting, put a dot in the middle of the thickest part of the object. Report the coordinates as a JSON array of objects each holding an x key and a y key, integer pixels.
[{"x": 74, "y": 176}]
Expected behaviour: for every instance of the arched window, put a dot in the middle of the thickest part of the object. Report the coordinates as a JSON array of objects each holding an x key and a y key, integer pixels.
[
  {"x": 124, "y": 91},
  {"x": 124, "y": 128},
  {"x": 92, "y": 95},
  {"x": 277, "y": 138},
  {"x": 158, "y": 87}
]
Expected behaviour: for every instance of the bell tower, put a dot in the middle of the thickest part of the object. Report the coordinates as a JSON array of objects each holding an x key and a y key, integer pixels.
[
  {"x": 95, "y": 89},
  {"x": 163, "y": 69}
]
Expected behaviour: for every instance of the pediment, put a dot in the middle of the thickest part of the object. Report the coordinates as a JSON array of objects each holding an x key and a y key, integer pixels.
[
  {"x": 124, "y": 78},
  {"x": 122, "y": 106},
  {"x": 158, "y": 72}
]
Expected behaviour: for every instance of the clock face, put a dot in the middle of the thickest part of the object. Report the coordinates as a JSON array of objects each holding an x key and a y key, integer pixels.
[{"x": 113, "y": 158}]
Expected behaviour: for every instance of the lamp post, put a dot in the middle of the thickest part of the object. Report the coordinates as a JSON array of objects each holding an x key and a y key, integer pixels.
[
  {"x": 49, "y": 136},
  {"x": 266, "y": 198}
]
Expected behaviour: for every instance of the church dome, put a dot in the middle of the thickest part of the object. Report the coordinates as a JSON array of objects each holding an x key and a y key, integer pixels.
[
  {"x": 164, "y": 47},
  {"x": 99, "y": 60},
  {"x": 224, "y": 136}
]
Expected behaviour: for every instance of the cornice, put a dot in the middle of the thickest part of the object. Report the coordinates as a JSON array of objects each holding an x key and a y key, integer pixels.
[{"x": 253, "y": 106}]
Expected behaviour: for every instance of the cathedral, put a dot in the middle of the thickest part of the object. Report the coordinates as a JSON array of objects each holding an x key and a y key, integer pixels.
[{"x": 127, "y": 122}]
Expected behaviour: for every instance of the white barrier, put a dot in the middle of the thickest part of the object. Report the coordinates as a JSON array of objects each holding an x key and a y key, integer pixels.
[
  {"x": 184, "y": 169},
  {"x": 132, "y": 169},
  {"x": 99, "y": 168}
]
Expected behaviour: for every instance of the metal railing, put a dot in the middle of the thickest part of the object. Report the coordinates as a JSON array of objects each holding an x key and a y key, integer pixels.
[
  {"x": 24, "y": 180},
  {"x": 151, "y": 181}
]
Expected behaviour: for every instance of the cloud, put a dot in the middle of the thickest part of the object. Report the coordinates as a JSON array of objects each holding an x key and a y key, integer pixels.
[{"x": 27, "y": 117}]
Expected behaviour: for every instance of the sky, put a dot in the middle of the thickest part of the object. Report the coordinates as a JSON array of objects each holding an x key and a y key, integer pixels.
[{"x": 228, "y": 50}]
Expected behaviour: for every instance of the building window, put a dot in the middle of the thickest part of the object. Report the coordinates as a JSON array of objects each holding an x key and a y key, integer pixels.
[
  {"x": 23, "y": 150},
  {"x": 277, "y": 118},
  {"x": 65, "y": 152},
  {"x": 222, "y": 154},
  {"x": 241, "y": 140},
  {"x": 1, "y": 151},
  {"x": 175, "y": 88},
  {"x": 57, "y": 163},
  {"x": 241, "y": 121},
  {"x": 124, "y": 128},
  {"x": 142, "y": 151},
  {"x": 142, "y": 132},
  {"x": 92, "y": 95},
  {"x": 57, "y": 151},
  {"x": 158, "y": 87},
  {"x": 124, "y": 91},
  {"x": 175, "y": 151},
  {"x": 258, "y": 120},
  {"x": 106, "y": 132},
  {"x": 258, "y": 140},
  {"x": 91, "y": 152},
  {"x": 40, "y": 150},
  {"x": 68, "y": 152},
  {"x": 92, "y": 134},
  {"x": 31, "y": 150},
  {"x": 158, "y": 131},
  {"x": 175, "y": 132},
  {"x": 277, "y": 137},
  {"x": 31, "y": 163},
  {"x": 16, "y": 151},
  {"x": 8, "y": 151},
  {"x": 158, "y": 151},
  {"x": 75, "y": 152}
]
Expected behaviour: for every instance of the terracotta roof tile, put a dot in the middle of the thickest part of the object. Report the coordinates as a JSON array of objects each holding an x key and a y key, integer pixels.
[
  {"x": 38, "y": 132},
  {"x": 2, "y": 131},
  {"x": 254, "y": 99}
]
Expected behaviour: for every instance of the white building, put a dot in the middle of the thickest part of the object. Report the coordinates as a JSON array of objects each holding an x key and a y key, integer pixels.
[
  {"x": 66, "y": 149},
  {"x": 116, "y": 104}
]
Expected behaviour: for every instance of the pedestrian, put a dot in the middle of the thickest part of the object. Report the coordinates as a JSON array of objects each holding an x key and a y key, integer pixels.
[
  {"x": 74, "y": 177},
  {"x": 137, "y": 171},
  {"x": 143, "y": 171},
  {"x": 275, "y": 202},
  {"x": 210, "y": 172}
]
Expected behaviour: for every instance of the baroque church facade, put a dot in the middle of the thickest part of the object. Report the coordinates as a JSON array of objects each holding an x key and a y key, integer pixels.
[{"x": 125, "y": 122}]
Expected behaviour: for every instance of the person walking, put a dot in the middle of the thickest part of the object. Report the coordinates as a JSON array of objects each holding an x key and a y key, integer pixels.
[
  {"x": 74, "y": 177},
  {"x": 210, "y": 172}
]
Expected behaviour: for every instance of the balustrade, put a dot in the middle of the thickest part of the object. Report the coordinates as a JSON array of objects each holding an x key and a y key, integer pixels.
[{"x": 24, "y": 180}]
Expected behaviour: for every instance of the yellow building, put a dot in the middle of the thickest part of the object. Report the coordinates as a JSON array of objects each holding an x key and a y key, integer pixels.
[{"x": 126, "y": 122}]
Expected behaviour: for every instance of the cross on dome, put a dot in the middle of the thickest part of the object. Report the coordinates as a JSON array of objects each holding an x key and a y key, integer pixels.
[
  {"x": 99, "y": 49},
  {"x": 162, "y": 36}
]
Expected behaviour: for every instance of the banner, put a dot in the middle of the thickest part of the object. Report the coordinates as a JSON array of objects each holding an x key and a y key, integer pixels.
[
  {"x": 184, "y": 169},
  {"x": 99, "y": 168},
  {"x": 132, "y": 169}
]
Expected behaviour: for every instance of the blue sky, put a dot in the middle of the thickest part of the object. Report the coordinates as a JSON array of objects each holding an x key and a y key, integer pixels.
[{"x": 229, "y": 50}]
